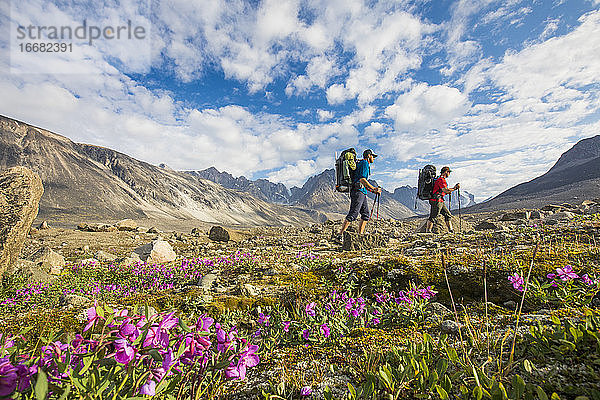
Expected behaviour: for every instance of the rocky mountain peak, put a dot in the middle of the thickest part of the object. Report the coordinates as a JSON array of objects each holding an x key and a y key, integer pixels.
[{"x": 585, "y": 150}]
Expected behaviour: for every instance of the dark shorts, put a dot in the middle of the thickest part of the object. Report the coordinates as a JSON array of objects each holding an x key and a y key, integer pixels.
[
  {"x": 437, "y": 208},
  {"x": 358, "y": 205}
]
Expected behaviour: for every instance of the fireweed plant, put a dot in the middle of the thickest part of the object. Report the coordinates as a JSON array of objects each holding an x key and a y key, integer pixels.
[
  {"x": 337, "y": 314},
  {"x": 123, "y": 355},
  {"x": 114, "y": 282},
  {"x": 120, "y": 354},
  {"x": 564, "y": 287}
]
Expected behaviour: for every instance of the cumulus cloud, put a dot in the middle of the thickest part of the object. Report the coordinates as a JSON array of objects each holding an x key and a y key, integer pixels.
[{"x": 424, "y": 108}]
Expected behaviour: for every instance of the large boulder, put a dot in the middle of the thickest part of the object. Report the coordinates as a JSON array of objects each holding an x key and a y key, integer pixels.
[
  {"x": 219, "y": 234},
  {"x": 48, "y": 260},
  {"x": 20, "y": 194},
  {"x": 159, "y": 251},
  {"x": 126, "y": 225}
]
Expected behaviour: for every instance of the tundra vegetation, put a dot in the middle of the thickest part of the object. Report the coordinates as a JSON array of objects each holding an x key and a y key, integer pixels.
[{"x": 473, "y": 316}]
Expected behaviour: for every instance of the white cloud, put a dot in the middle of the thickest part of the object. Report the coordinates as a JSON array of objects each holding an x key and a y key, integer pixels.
[
  {"x": 324, "y": 115},
  {"x": 295, "y": 174},
  {"x": 426, "y": 108}
]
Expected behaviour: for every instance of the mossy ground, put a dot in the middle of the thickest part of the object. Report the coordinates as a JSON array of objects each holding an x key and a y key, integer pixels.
[{"x": 471, "y": 265}]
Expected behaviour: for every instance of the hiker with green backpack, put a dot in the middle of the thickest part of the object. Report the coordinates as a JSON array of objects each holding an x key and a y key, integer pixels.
[{"x": 358, "y": 192}]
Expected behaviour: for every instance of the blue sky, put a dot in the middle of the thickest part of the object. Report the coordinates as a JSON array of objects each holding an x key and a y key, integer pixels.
[{"x": 272, "y": 89}]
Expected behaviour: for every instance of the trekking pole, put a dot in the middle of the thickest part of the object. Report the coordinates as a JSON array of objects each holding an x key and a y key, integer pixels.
[
  {"x": 459, "y": 219},
  {"x": 373, "y": 208}
]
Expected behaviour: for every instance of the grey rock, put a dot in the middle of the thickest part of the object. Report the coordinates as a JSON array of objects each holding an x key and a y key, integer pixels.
[
  {"x": 131, "y": 259},
  {"x": 561, "y": 215},
  {"x": 511, "y": 305},
  {"x": 450, "y": 327},
  {"x": 247, "y": 289},
  {"x": 74, "y": 301},
  {"x": 159, "y": 251},
  {"x": 486, "y": 225},
  {"x": 353, "y": 241},
  {"x": 316, "y": 228},
  {"x": 20, "y": 194},
  {"x": 126, "y": 225},
  {"x": 208, "y": 281},
  {"x": 536, "y": 214},
  {"x": 49, "y": 260},
  {"x": 218, "y": 234},
  {"x": 552, "y": 208},
  {"x": 396, "y": 274},
  {"x": 105, "y": 256},
  {"x": 437, "y": 309},
  {"x": 32, "y": 271},
  {"x": 141, "y": 310}
]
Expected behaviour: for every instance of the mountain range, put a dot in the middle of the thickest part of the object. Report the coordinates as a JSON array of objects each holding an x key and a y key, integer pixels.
[
  {"x": 574, "y": 177},
  {"x": 91, "y": 183},
  {"x": 318, "y": 193},
  {"x": 85, "y": 182}
]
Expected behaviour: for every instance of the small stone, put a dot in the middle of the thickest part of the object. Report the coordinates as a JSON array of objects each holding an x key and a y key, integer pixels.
[
  {"x": 126, "y": 225},
  {"x": 248, "y": 290},
  {"x": 153, "y": 230},
  {"x": 316, "y": 229},
  {"x": 437, "y": 309},
  {"x": 449, "y": 326},
  {"x": 511, "y": 305},
  {"x": 105, "y": 256},
  {"x": 159, "y": 251},
  {"x": 44, "y": 225},
  {"x": 74, "y": 301},
  {"x": 141, "y": 310},
  {"x": 49, "y": 260},
  {"x": 207, "y": 281}
]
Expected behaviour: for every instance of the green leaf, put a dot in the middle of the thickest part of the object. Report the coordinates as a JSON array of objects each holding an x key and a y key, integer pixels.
[
  {"x": 540, "y": 393},
  {"x": 327, "y": 393},
  {"x": 433, "y": 379},
  {"x": 555, "y": 319},
  {"x": 41, "y": 385},
  {"x": 443, "y": 394},
  {"x": 518, "y": 387},
  {"x": 476, "y": 377},
  {"x": 528, "y": 366},
  {"x": 502, "y": 390},
  {"x": 184, "y": 326},
  {"x": 452, "y": 354},
  {"x": 352, "y": 390},
  {"x": 477, "y": 392},
  {"x": 65, "y": 394},
  {"x": 87, "y": 363},
  {"x": 555, "y": 396}
]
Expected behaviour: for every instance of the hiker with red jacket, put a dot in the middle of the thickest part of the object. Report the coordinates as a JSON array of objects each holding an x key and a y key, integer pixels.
[{"x": 440, "y": 189}]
